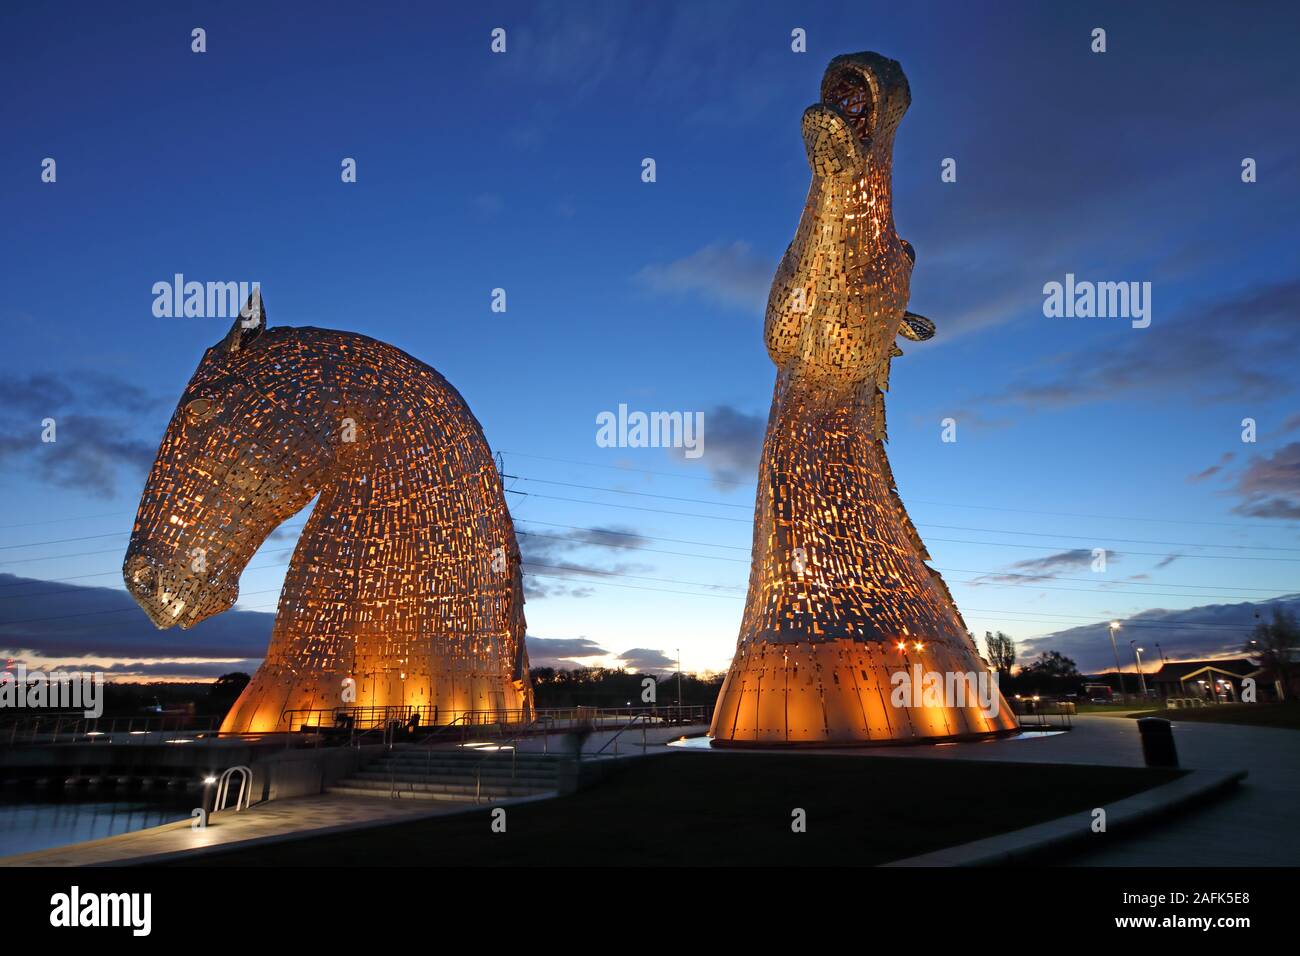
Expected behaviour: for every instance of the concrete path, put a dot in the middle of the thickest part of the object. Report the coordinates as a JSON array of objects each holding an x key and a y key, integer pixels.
[
  {"x": 1257, "y": 824},
  {"x": 1254, "y": 826},
  {"x": 267, "y": 822},
  {"x": 628, "y": 742},
  {"x": 289, "y": 818}
]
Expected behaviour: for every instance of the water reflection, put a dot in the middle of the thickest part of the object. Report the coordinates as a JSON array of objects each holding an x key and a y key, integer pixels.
[{"x": 27, "y": 825}]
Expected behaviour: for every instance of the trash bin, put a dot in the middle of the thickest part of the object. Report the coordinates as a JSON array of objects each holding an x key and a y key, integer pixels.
[{"x": 1158, "y": 748}]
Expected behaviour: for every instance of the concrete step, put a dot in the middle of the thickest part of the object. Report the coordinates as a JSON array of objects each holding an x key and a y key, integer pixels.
[
  {"x": 461, "y": 770},
  {"x": 454, "y": 775},
  {"x": 401, "y": 794},
  {"x": 448, "y": 790},
  {"x": 549, "y": 766},
  {"x": 503, "y": 780},
  {"x": 472, "y": 758}
]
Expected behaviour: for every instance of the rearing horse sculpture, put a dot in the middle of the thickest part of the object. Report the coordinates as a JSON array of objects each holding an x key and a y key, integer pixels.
[
  {"x": 841, "y": 603},
  {"x": 405, "y": 587}
]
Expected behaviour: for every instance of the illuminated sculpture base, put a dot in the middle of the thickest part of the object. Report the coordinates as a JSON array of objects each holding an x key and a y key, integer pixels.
[
  {"x": 273, "y": 698},
  {"x": 837, "y": 693}
]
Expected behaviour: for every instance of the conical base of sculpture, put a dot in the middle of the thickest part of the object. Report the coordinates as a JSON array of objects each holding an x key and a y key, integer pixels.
[
  {"x": 275, "y": 703},
  {"x": 844, "y": 693}
]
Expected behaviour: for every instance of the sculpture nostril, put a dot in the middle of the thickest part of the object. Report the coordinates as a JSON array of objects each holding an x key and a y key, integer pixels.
[{"x": 142, "y": 578}]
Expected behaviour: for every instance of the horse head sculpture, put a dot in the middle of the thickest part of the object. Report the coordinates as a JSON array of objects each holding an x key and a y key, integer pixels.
[
  {"x": 841, "y": 603},
  {"x": 231, "y": 468},
  {"x": 405, "y": 588},
  {"x": 839, "y": 297}
]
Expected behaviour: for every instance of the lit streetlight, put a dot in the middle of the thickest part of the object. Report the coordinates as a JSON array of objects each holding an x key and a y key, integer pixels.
[
  {"x": 1137, "y": 654},
  {"x": 679, "y": 684},
  {"x": 1114, "y": 626}
]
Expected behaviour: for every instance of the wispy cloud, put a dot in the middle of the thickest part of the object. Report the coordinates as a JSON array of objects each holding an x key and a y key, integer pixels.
[
  {"x": 1044, "y": 568},
  {"x": 731, "y": 275},
  {"x": 562, "y": 652},
  {"x": 1214, "y": 469},
  {"x": 733, "y": 442},
  {"x": 647, "y": 660},
  {"x": 1210, "y": 630},
  {"x": 66, "y": 621},
  {"x": 549, "y": 558},
  {"x": 1269, "y": 486},
  {"x": 98, "y": 424},
  {"x": 1209, "y": 353}
]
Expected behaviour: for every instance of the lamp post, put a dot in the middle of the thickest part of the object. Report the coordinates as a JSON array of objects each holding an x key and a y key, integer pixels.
[
  {"x": 208, "y": 781},
  {"x": 1114, "y": 626},
  {"x": 1137, "y": 654},
  {"x": 679, "y": 685}
]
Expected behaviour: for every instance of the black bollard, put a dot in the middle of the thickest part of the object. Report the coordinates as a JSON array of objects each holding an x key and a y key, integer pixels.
[{"x": 1158, "y": 742}]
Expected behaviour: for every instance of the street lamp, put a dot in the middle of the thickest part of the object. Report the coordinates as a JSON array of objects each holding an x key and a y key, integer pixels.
[
  {"x": 1114, "y": 626},
  {"x": 679, "y": 684},
  {"x": 1137, "y": 654}
]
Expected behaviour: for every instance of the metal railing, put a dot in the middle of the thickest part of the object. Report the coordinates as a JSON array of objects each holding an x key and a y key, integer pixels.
[
  {"x": 357, "y": 724},
  {"x": 637, "y": 718},
  {"x": 1045, "y": 715},
  {"x": 467, "y": 722},
  {"x": 75, "y": 728}
]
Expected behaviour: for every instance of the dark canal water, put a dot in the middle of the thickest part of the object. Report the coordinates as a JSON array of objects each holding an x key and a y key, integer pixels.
[{"x": 29, "y": 823}]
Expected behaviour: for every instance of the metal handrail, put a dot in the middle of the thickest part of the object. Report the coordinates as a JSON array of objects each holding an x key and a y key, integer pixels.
[
  {"x": 1038, "y": 715},
  {"x": 614, "y": 740},
  {"x": 77, "y": 728},
  {"x": 514, "y": 753},
  {"x": 461, "y": 721},
  {"x": 494, "y": 724}
]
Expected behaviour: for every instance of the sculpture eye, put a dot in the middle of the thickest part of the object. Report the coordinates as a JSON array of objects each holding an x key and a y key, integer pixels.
[
  {"x": 907, "y": 248},
  {"x": 199, "y": 411}
]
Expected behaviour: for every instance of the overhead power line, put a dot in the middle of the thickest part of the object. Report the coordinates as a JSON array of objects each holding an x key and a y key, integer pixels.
[{"x": 1243, "y": 525}]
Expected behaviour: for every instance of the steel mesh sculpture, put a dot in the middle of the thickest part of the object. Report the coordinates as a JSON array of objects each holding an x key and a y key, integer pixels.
[
  {"x": 404, "y": 590},
  {"x": 840, "y": 597}
]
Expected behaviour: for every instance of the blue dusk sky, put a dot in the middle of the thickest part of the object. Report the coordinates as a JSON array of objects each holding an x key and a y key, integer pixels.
[{"x": 522, "y": 171}]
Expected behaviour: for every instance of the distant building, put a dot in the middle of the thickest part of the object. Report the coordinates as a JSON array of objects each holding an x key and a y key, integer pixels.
[{"x": 1207, "y": 680}]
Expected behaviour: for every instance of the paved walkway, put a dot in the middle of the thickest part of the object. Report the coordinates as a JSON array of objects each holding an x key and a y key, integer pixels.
[
  {"x": 1257, "y": 825},
  {"x": 285, "y": 819},
  {"x": 277, "y": 819},
  {"x": 613, "y": 743}
]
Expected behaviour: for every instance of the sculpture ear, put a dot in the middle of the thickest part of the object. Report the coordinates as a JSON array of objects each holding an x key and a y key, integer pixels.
[
  {"x": 249, "y": 324},
  {"x": 916, "y": 327}
]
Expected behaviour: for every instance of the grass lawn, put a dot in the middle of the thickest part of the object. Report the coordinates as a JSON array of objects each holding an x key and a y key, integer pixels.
[
  {"x": 710, "y": 808},
  {"x": 1255, "y": 715}
]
